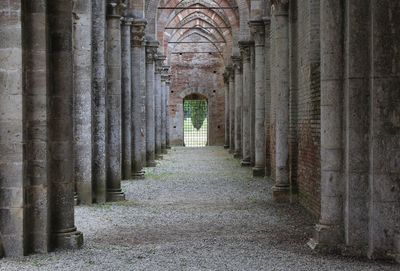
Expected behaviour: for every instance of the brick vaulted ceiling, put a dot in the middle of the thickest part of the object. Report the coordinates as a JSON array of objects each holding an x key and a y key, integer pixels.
[{"x": 195, "y": 22}]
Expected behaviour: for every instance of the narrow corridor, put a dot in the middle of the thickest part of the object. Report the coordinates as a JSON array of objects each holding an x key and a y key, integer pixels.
[{"x": 196, "y": 211}]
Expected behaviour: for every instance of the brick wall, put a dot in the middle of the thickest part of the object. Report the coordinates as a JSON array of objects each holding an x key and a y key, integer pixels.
[{"x": 197, "y": 73}]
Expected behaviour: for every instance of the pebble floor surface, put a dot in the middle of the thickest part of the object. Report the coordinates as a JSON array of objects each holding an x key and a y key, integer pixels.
[{"x": 197, "y": 210}]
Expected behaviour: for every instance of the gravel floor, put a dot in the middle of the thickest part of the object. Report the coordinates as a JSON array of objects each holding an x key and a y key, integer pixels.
[{"x": 198, "y": 210}]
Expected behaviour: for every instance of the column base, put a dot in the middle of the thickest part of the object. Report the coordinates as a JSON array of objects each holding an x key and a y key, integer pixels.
[
  {"x": 258, "y": 172},
  {"x": 76, "y": 202},
  {"x": 326, "y": 239},
  {"x": 151, "y": 164},
  {"x": 70, "y": 239},
  {"x": 159, "y": 157},
  {"x": 237, "y": 155},
  {"x": 281, "y": 194},
  {"x": 164, "y": 151},
  {"x": 226, "y": 146},
  {"x": 245, "y": 163},
  {"x": 113, "y": 196},
  {"x": 138, "y": 175},
  {"x": 168, "y": 147}
]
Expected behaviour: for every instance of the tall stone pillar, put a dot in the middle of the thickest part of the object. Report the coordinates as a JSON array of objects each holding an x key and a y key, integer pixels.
[
  {"x": 246, "y": 120},
  {"x": 158, "y": 128},
  {"x": 167, "y": 91},
  {"x": 226, "y": 88},
  {"x": 268, "y": 93},
  {"x": 231, "y": 109},
  {"x": 113, "y": 102},
  {"x": 60, "y": 123},
  {"x": 164, "y": 78},
  {"x": 82, "y": 59},
  {"x": 151, "y": 54},
  {"x": 126, "y": 99},
  {"x": 137, "y": 44},
  {"x": 237, "y": 66},
  {"x": 252, "y": 105},
  {"x": 280, "y": 12},
  {"x": 257, "y": 29},
  {"x": 328, "y": 232},
  {"x": 143, "y": 91},
  {"x": 99, "y": 100}
]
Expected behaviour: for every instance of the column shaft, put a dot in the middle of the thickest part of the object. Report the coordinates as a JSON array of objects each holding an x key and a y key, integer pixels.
[
  {"x": 99, "y": 100},
  {"x": 231, "y": 110},
  {"x": 226, "y": 88},
  {"x": 237, "y": 65},
  {"x": 246, "y": 120},
  {"x": 252, "y": 106},
  {"x": 328, "y": 233},
  {"x": 167, "y": 92},
  {"x": 281, "y": 191},
  {"x": 163, "y": 115},
  {"x": 158, "y": 127},
  {"x": 126, "y": 99},
  {"x": 151, "y": 50},
  {"x": 113, "y": 104},
  {"x": 257, "y": 28},
  {"x": 138, "y": 43},
  {"x": 60, "y": 123}
]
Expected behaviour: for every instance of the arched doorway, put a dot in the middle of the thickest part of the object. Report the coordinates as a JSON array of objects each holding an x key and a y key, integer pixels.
[{"x": 195, "y": 120}]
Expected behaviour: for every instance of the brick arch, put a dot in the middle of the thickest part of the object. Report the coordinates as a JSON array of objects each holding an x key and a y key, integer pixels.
[
  {"x": 152, "y": 11},
  {"x": 198, "y": 91}
]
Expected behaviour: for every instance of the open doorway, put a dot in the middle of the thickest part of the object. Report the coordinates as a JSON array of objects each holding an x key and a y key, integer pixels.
[{"x": 195, "y": 120}]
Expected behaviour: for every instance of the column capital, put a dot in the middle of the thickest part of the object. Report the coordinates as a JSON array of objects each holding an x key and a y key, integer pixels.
[
  {"x": 257, "y": 29},
  {"x": 126, "y": 21},
  {"x": 237, "y": 63},
  {"x": 115, "y": 8},
  {"x": 138, "y": 35},
  {"x": 165, "y": 73},
  {"x": 279, "y": 7},
  {"x": 245, "y": 49},
  {"x": 151, "y": 51},
  {"x": 160, "y": 63}
]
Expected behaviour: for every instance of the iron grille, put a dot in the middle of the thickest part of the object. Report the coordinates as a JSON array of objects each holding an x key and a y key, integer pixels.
[{"x": 195, "y": 124}]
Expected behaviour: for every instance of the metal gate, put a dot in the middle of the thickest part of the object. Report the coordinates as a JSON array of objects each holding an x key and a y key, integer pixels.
[{"x": 195, "y": 123}]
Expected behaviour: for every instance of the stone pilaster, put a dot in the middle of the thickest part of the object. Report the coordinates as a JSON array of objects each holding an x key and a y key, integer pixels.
[
  {"x": 137, "y": 45},
  {"x": 158, "y": 113},
  {"x": 328, "y": 233},
  {"x": 245, "y": 47},
  {"x": 99, "y": 100},
  {"x": 280, "y": 17},
  {"x": 226, "y": 89},
  {"x": 252, "y": 105},
  {"x": 151, "y": 55},
  {"x": 113, "y": 102},
  {"x": 258, "y": 31},
  {"x": 237, "y": 67},
  {"x": 231, "y": 109},
  {"x": 126, "y": 98},
  {"x": 60, "y": 123}
]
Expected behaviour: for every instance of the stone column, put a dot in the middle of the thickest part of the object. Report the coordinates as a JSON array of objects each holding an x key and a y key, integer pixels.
[
  {"x": 99, "y": 100},
  {"x": 126, "y": 99},
  {"x": 246, "y": 121},
  {"x": 151, "y": 54},
  {"x": 328, "y": 232},
  {"x": 60, "y": 123},
  {"x": 113, "y": 102},
  {"x": 164, "y": 78},
  {"x": 231, "y": 109},
  {"x": 159, "y": 68},
  {"x": 280, "y": 12},
  {"x": 226, "y": 88},
  {"x": 257, "y": 29},
  {"x": 82, "y": 84},
  {"x": 143, "y": 91},
  {"x": 252, "y": 105},
  {"x": 237, "y": 66},
  {"x": 167, "y": 92},
  {"x": 138, "y": 43},
  {"x": 268, "y": 94},
  {"x": 82, "y": 65}
]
